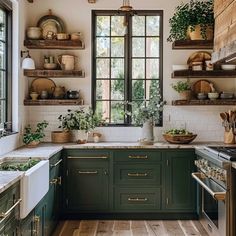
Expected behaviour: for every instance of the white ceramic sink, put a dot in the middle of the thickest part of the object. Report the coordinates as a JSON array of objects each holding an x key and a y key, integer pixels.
[{"x": 34, "y": 185}]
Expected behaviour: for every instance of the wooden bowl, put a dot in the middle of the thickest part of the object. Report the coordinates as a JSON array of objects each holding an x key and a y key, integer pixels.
[{"x": 179, "y": 138}]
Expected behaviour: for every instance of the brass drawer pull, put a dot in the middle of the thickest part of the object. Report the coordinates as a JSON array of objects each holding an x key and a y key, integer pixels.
[
  {"x": 56, "y": 164},
  {"x": 4, "y": 215},
  {"x": 88, "y": 172},
  {"x": 130, "y": 199},
  {"x": 138, "y": 157},
  {"x": 89, "y": 157},
  {"x": 137, "y": 174},
  {"x": 36, "y": 225},
  {"x": 53, "y": 181}
]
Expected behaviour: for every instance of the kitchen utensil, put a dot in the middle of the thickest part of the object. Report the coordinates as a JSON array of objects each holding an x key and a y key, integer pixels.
[
  {"x": 34, "y": 33},
  {"x": 212, "y": 87},
  {"x": 223, "y": 116},
  {"x": 67, "y": 62},
  {"x": 209, "y": 65},
  {"x": 72, "y": 94},
  {"x": 62, "y": 36},
  {"x": 51, "y": 23},
  {"x": 213, "y": 96},
  {"x": 42, "y": 84},
  {"x": 50, "y": 66},
  {"x": 58, "y": 92},
  {"x": 200, "y": 56},
  {"x": 225, "y": 95},
  {"x": 201, "y": 86},
  {"x": 202, "y": 96}
]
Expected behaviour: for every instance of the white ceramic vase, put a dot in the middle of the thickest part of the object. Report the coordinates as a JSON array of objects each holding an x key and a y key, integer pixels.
[
  {"x": 82, "y": 136},
  {"x": 147, "y": 131}
]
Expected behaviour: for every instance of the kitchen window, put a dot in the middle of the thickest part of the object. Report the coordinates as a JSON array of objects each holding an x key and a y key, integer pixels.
[
  {"x": 127, "y": 61},
  {"x": 5, "y": 61}
]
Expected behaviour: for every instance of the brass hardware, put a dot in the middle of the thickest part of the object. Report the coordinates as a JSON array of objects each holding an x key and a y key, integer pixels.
[
  {"x": 59, "y": 180},
  {"x": 167, "y": 162},
  {"x": 88, "y": 172},
  {"x": 36, "y": 225},
  {"x": 138, "y": 157},
  {"x": 53, "y": 181},
  {"x": 137, "y": 174},
  {"x": 216, "y": 195},
  {"x": 91, "y": 157},
  {"x": 4, "y": 215},
  {"x": 130, "y": 199},
  {"x": 56, "y": 164},
  {"x": 167, "y": 201}
]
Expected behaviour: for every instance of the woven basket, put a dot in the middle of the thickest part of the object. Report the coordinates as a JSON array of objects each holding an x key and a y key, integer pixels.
[
  {"x": 179, "y": 138},
  {"x": 60, "y": 137}
]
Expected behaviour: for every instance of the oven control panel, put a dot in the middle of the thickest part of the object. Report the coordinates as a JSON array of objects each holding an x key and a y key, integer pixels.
[{"x": 211, "y": 171}]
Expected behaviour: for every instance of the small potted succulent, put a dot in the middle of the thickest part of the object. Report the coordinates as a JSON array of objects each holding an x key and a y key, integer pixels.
[
  {"x": 194, "y": 20},
  {"x": 83, "y": 121},
  {"x": 183, "y": 88},
  {"x": 32, "y": 138}
]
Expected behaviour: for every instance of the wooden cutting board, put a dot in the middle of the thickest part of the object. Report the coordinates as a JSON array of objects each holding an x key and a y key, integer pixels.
[{"x": 201, "y": 86}]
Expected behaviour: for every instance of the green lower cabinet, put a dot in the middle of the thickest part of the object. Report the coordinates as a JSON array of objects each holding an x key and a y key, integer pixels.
[
  {"x": 137, "y": 199},
  {"x": 27, "y": 225},
  {"x": 180, "y": 189},
  {"x": 87, "y": 185},
  {"x": 39, "y": 219},
  {"x": 10, "y": 227}
]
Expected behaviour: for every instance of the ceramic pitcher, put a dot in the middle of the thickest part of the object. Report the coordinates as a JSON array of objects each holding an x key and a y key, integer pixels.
[
  {"x": 66, "y": 62},
  {"x": 58, "y": 92}
]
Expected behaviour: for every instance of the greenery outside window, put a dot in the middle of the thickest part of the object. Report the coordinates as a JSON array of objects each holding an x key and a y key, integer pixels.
[
  {"x": 5, "y": 62},
  {"x": 127, "y": 61}
]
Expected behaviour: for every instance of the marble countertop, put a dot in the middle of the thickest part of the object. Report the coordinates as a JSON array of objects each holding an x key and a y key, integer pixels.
[{"x": 8, "y": 178}]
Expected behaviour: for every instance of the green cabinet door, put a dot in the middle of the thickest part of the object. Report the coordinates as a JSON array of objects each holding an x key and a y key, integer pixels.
[
  {"x": 39, "y": 218},
  {"x": 87, "y": 183},
  {"x": 27, "y": 225},
  {"x": 180, "y": 189}
]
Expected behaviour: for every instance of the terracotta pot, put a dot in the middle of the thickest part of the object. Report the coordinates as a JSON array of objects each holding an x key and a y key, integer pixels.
[
  {"x": 33, "y": 144},
  {"x": 196, "y": 34},
  {"x": 185, "y": 95}
]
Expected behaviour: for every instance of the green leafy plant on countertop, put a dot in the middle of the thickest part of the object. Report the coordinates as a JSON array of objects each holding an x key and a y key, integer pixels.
[
  {"x": 189, "y": 15},
  {"x": 30, "y": 135},
  {"x": 81, "y": 119},
  {"x": 181, "y": 86},
  {"x": 19, "y": 166}
]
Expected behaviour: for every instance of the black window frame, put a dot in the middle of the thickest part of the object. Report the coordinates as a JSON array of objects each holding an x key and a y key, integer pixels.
[
  {"x": 6, "y": 6},
  {"x": 128, "y": 57}
]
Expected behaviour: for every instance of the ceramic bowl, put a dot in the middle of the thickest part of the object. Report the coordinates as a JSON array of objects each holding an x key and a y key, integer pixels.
[
  {"x": 225, "y": 95},
  {"x": 34, "y": 33},
  {"x": 62, "y": 36},
  {"x": 228, "y": 67},
  {"x": 50, "y": 66},
  {"x": 179, "y": 67},
  {"x": 202, "y": 96},
  {"x": 213, "y": 96}
]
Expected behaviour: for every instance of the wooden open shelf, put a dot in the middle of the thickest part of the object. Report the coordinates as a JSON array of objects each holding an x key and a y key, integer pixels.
[
  {"x": 203, "y": 74},
  {"x": 53, "y": 102},
  {"x": 208, "y": 102},
  {"x": 54, "y": 44},
  {"x": 54, "y": 73},
  {"x": 192, "y": 44}
]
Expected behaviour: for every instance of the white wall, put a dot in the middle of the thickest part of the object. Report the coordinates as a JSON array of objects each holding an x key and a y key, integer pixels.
[{"x": 76, "y": 14}]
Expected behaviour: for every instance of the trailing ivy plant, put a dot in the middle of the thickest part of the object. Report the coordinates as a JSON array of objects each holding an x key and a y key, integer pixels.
[
  {"x": 189, "y": 15},
  {"x": 30, "y": 135}
]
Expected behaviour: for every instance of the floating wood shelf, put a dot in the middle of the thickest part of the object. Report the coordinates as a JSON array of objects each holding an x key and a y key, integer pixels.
[
  {"x": 53, "y": 102},
  {"x": 203, "y": 74},
  {"x": 54, "y": 44},
  {"x": 230, "y": 102},
  {"x": 192, "y": 44},
  {"x": 54, "y": 73}
]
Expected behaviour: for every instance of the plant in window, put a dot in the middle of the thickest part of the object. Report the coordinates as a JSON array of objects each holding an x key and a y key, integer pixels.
[
  {"x": 83, "y": 119},
  {"x": 148, "y": 113},
  {"x": 194, "y": 20},
  {"x": 33, "y": 138}
]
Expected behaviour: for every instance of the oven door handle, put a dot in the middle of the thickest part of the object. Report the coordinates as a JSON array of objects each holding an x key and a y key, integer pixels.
[{"x": 219, "y": 196}]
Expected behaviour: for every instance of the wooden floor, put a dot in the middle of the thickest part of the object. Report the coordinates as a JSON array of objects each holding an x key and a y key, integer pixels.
[{"x": 130, "y": 228}]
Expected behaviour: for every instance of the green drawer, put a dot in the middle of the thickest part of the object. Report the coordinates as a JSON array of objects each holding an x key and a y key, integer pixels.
[
  {"x": 135, "y": 156},
  {"x": 87, "y": 154},
  {"x": 137, "y": 174},
  {"x": 138, "y": 199},
  {"x": 54, "y": 159}
]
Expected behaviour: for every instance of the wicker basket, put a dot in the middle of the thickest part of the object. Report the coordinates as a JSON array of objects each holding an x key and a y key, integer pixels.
[
  {"x": 60, "y": 136},
  {"x": 179, "y": 138}
]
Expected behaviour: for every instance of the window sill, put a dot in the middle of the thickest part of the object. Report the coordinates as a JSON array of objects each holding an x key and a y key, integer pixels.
[{"x": 7, "y": 134}]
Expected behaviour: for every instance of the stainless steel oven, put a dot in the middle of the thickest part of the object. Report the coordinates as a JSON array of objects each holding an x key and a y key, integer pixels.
[{"x": 216, "y": 192}]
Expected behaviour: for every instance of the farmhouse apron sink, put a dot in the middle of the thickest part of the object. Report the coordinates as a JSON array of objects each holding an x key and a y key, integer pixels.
[{"x": 34, "y": 184}]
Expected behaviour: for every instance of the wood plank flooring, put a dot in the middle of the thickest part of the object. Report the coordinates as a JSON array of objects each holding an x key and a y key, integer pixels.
[{"x": 130, "y": 228}]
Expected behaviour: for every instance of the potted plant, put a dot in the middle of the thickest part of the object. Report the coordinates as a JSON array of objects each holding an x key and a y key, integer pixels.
[
  {"x": 83, "y": 121},
  {"x": 194, "y": 20},
  {"x": 147, "y": 114},
  {"x": 183, "y": 88},
  {"x": 32, "y": 138}
]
